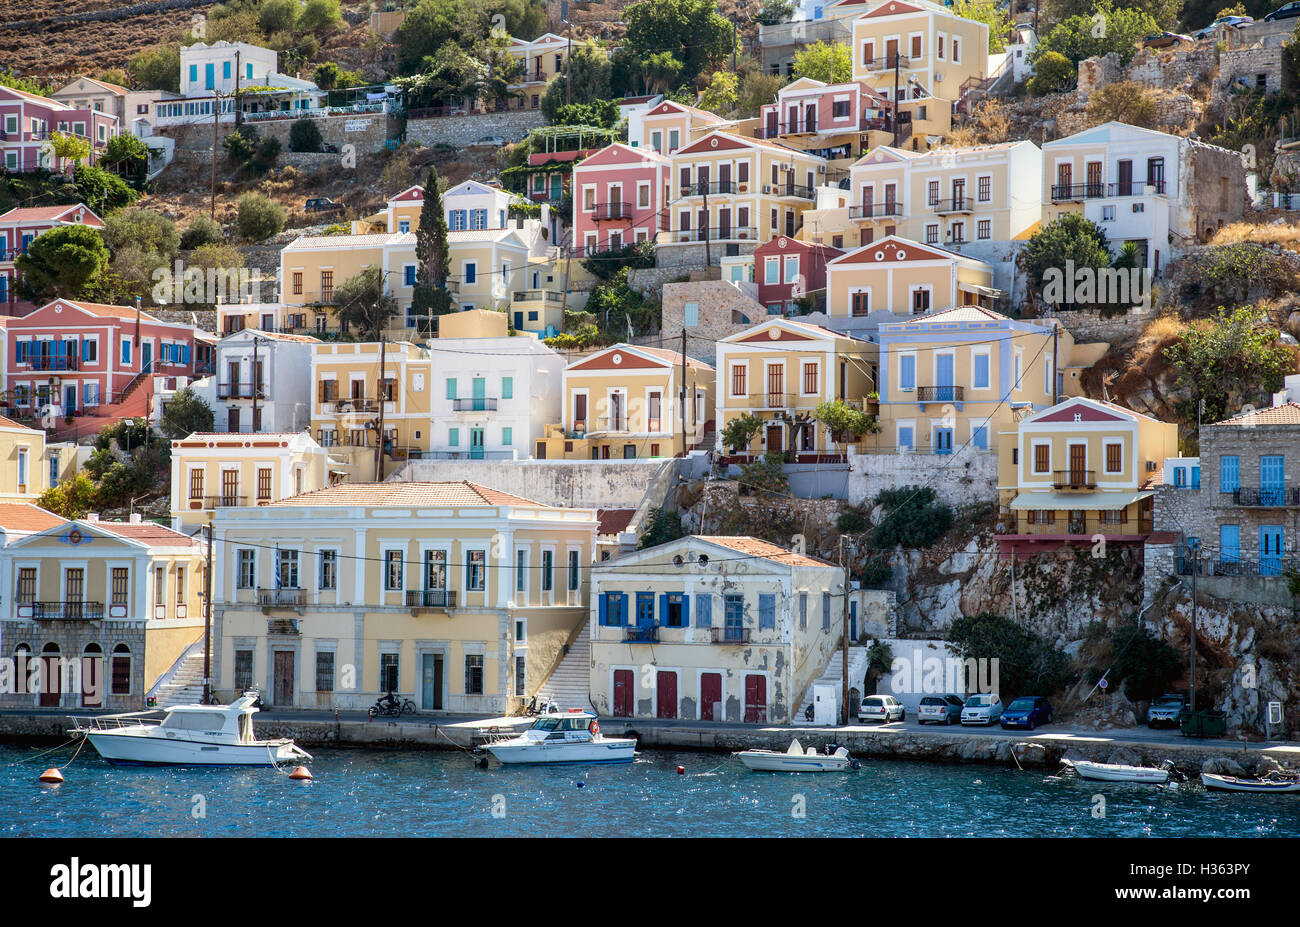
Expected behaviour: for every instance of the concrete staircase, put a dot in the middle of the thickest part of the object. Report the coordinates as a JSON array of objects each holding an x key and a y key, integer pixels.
[
  {"x": 184, "y": 686},
  {"x": 833, "y": 675},
  {"x": 570, "y": 683}
]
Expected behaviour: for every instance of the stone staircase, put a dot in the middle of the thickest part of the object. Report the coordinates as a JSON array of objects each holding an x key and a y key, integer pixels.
[
  {"x": 833, "y": 675},
  {"x": 184, "y": 686},
  {"x": 570, "y": 683}
]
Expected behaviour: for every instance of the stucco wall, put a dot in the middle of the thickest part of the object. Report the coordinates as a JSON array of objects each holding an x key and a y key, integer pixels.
[
  {"x": 459, "y": 131},
  {"x": 571, "y": 483},
  {"x": 967, "y": 477}
]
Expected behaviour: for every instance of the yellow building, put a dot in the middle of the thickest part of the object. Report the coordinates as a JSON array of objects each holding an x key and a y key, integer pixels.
[
  {"x": 24, "y": 471},
  {"x": 540, "y": 61},
  {"x": 346, "y": 408},
  {"x": 455, "y": 595},
  {"x": 780, "y": 371},
  {"x": 212, "y": 471},
  {"x": 1079, "y": 472},
  {"x": 670, "y": 126},
  {"x": 948, "y": 196},
  {"x": 951, "y": 382},
  {"x": 102, "y": 610},
  {"x": 712, "y": 629},
  {"x": 625, "y": 402},
  {"x": 904, "y": 277},
  {"x": 907, "y": 49}
]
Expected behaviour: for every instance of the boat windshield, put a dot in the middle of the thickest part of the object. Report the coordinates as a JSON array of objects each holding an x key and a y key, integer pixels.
[
  {"x": 546, "y": 724},
  {"x": 195, "y": 720}
]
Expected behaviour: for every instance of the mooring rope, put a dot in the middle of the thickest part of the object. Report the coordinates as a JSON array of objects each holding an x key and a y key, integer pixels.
[{"x": 47, "y": 752}]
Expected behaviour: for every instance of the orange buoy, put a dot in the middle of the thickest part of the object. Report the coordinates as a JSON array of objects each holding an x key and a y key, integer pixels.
[
  {"x": 594, "y": 727},
  {"x": 52, "y": 775},
  {"x": 300, "y": 772}
]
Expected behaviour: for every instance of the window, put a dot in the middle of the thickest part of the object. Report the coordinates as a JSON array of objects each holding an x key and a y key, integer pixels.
[
  {"x": 521, "y": 571},
  {"x": 984, "y": 187},
  {"x": 263, "y": 484},
  {"x": 907, "y": 372},
  {"x": 1042, "y": 458},
  {"x": 548, "y": 570},
  {"x": 507, "y": 387},
  {"x": 327, "y": 286},
  {"x": 810, "y": 379},
  {"x": 613, "y": 609},
  {"x": 840, "y": 109},
  {"x": 738, "y": 379},
  {"x": 861, "y": 303},
  {"x": 388, "y": 672},
  {"x": 703, "y": 610},
  {"x": 90, "y": 351},
  {"x": 803, "y": 611},
  {"x": 324, "y": 671},
  {"x": 984, "y": 229},
  {"x": 826, "y": 611},
  {"x": 674, "y": 610},
  {"x": 507, "y": 436},
  {"x": 771, "y": 270},
  {"x": 906, "y": 437},
  {"x": 1229, "y": 473},
  {"x": 329, "y": 569},
  {"x": 243, "y": 670},
  {"x": 471, "y": 272},
  {"x": 26, "y": 593},
  {"x": 475, "y": 570},
  {"x": 691, "y": 313},
  {"x": 408, "y": 275},
  {"x": 981, "y": 372},
  {"x": 392, "y": 569},
  {"x": 932, "y": 193},
  {"x": 196, "y": 484},
  {"x": 1114, "y": 458},
  {"x": 126, "y": 351},
  {"x": 451, "y": 388},
  {"x": 574, "y": 570},
  {"x": 980, "y": 437},
  {"x": 473, "y": 674},
  {"x": 246, "y": 578},
  {"x": 932, "y": 234}
]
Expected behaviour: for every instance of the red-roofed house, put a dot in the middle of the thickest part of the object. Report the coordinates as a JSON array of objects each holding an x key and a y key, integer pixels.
[
  {"x": 620, "y": 194},
  {"x": 786, "y": 269},
  {"x": 19, "y": 228},
  {"x": 27, "y": 121}
]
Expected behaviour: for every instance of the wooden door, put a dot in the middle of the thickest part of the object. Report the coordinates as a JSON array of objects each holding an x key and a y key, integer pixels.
[
  {"x": 1078, "y": 464},
  {"x": 711, "y": 696},
  {"x": 283, "y": 678},
  {"x": 775, "y": 442},
  {"x": 667, "y": 694},
  {"x": 623, "y": 692},
  {"x": 755, "y": 699},
  {"x": 51, "y": 682},
  {"x": 92, "y": 682}
]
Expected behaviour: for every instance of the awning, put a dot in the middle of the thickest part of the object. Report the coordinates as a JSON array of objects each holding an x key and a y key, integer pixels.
[
  {"x": 993, "y": 292},
  {"x": 1086, "y": 501}
]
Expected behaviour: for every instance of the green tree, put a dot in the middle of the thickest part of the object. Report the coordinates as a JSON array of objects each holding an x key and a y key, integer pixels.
[
  {"x": 692, "y": 31},
  {"x": 1069, "y": 237},
  {"x": 775, "y": 12},
  {"x": 1164, "y": 13},
  {"x": 661, "y": 527},
  {"x": 913, "y": 518},
  {"x": 738, "y": 432},
  {"x": 143, "y": 228},
  {"x": 828, "y": 62},
  {"x": 184, "y": 415},
  {"x": 25, "y": 84},
  {"x": 1053, "y": 73},
  {"x": 157, "y": 68},
  {"x": 602, "y": 113},
  {"x": 249, "y": 153},
  {"x": 429, "y": 26},
  {"x": 1123, "y": 101},
  {"x": 102, "y": 190},
  {"x": 622, "y": 308},
  {"x": 202, "y": 230},
  {"x": 71, "y": 499},
  {"x": 1226, "y": 362},
  {"x": 990, "y": 14},
  {"x": 765, "y": 475},
  {"x": 128, "y": 157},
  {"x": 1146, "y": 665},
  {"x": 586, "y": 80},
  {"x": 363, "y": 302},
  {"x": 1104, "y": 31},
  {"x": 1027, "y": 665},
  {"x": 304, "y": 135},
  {"x": 429, "y": 296},
  {"x": 330, "y": 76},
  {"x": 61, "y": 262},
  {"x": 845, "y": 423},
  {"x": 278, "y": 16},
  {"x": 525, "y": 19},
  {"x": 320, "y": 16},
  {"x": 258, "y": 217},
  {"x": 756, "y": 90},
  {"x": 72, "y": 148}
]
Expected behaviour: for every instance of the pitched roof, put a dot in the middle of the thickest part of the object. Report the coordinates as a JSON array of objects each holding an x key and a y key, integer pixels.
[
  {"x": 6, "y": 422},
  {"x": 1286, "y": 414},
  {"x": 23, "y": 516},
  {"x": 673, "y": 357},
  {"x": 613, "y": 521},
  {"x": 460, "y": 493},
  {"x": 276, "y": 336},
  {"x": 147, "y": 532},
  {"x": 753, "y": 547},
  {"x": 339, "y": 241},
  {"x": 44, "y": 213}
]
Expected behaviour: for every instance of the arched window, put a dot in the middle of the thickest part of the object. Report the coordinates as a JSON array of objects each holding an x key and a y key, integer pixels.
[
  {"x": 121, "y": 681},
  {"x": 92, "y": 676},
  {"x": 22, "y": 666}
]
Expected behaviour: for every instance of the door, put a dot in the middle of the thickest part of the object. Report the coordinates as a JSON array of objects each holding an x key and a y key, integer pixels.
[
  {"x": 1270, "y": 550},
  {"x": 282, "y": 679},
  {"x": 623, "y": 682},
  {"x": 476, "y": 448},
  {"x": 1156, "y": 173},
  {"x": 92, "y": 681},
  {"x": 959, "y": 194},
  {"x": 615, "y": 412},
  {"x": 774, "y": 442},
  {"x": 519, "y": 321},
  {"x": 51, "y": 683},
  {"x": 943, "y": 440},
  {"x": 1064, "y": 178},
  {"x": 711, "y": 696},
  {"x": 1125, "y": 178},
  {"x": 69, "y": 400},
  {"x": 580, "y": 412},
  {"x": 667, "y": 694},
  {"x": 1271, "y": 480},
  {"x": 1229, "y": 544},
  {"x": 1078, "y": 462},
  {"x": 853, "y": 621},
  {"x": 480, "y": 393},
  {"x": 771, "y": 124},
  {"x": 1094, "y": 179},
  {"x": 944, "y": 376},
  {"x": 557, "y": 187},
  {"x": 146, "y": 356},
  {"x": 431, "y": 681},
  {"x": 755, "y": 699},
  {"x": 810, "y": 117}
]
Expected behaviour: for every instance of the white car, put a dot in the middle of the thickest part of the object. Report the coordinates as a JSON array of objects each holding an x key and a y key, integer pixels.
[
  {"x": 882, "y": 708},
  {"x": 982, "y": 708}
]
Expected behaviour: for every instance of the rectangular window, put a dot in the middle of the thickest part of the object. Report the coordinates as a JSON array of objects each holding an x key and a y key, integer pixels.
[
  {"x": 981, "y": 380},
  {"x": 575, "y": 575},
  {"x": 451, "y": 388},
  {"x": 738, "y": 380},
  {"x": 26, "y": 593},
  {"x": 243, "y": 670},
  {"x": 329, "y": 569},
  {"x": 826, "y": 611},
  {"x": 674, "y": 610},
  {"x": 473, "y": 674},
  {"x": 507, "y": 387},
  {"x": 324, "y": 671},
  {"x": 475, "y": 571},
  {"x": 548, "y": 570},
  {"x": 1042, "y": 458},
  {"x": 126, "y": 351},
  {"x": 393, "y": 569},
  {"x": 196, "y": 484},
  {"x": 247, "y": 577},
  {"x": 614, "y": 609},
  {"x": 691, "y": 313},
  {"x": 121, "y": 586},
  {"x": 985, "y": 187},
  {"x": 980, "y": 437},
  {"x": 803, "y": 611},
  {"x": 905, "y": 436},
  {"x": 1114, "y": 458},
  {"x": 984, "y": 229},
  {"x": 388, "y": 672},
  {"x": 263, "y": 484},
  {"x": 507, "y": 436},
  {"x": 521, "y": 571},
  {"x": 1229, "y": 473},
  {"x": 766, "y": 611},
  {"x": 704, "y": 610},
  {"x": 907, "y": 372},
  {"x": 810, "y": 378}
]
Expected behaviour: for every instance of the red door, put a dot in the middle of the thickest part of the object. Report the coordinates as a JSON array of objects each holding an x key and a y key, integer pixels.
[
  {"x": 710, "y": 695},
  {"x": 667, "y": 683},
  {"x": 92, "y": 682},
  {"x": 50, "y": 682},
  {"x": 622, "y": 693},
  {"x": 756, "y": 699}
]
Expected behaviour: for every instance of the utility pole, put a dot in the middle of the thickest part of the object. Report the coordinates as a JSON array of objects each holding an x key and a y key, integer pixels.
[
  {"x": 237, "y": 53},
  {"x": 897, "y": 62},
  {"x": 207, "y": 622},
  {"x": 256, "y": 385},
  {"x": 379, "y": 432},
  {"x": 844, "y": 663},
  {"x": 1056, "y": 377},
  {"x": 708, "y": 258},
  {"x": 216, "y": 111},
  {"x": 568, "y": 65},
  {"x": 683, "y": 391},
  {"x": 733, "y": 46},
  {"x": 1191, "y": 637}
]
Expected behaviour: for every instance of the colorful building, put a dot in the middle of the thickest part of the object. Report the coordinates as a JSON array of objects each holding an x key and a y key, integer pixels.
[
  {"x": 622, "y": 195},
  {"x": 900, "y": 276},
  {"x": 262, "y": 382},
  {"x": 28, "y": 121},
  {"x": 19, "y": 227},
  {"x": 913, "y": 48},
  {"x": 788, "y": 271},
  {"x": 540, "y": 61}
]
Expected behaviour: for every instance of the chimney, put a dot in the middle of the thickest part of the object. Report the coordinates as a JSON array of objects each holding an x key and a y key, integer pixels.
[
  {"x": 93, "y": 517},
  {"x": 136, "y": 518}
]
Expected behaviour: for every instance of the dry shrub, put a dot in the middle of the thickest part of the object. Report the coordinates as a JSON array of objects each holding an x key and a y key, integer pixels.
[{"x": 1284, "y": 234}]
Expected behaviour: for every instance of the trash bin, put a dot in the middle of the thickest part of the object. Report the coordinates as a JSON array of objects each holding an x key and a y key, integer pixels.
[{"x": 1205, "y": 723}]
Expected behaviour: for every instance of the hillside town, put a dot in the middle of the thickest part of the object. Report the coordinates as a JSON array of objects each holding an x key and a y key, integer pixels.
[{"x": 670, "y": 360}]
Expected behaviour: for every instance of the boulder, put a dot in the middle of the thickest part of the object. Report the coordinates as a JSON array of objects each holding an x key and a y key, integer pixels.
[
  {"x": 1124, "y": 756},
  {"x": 1223, "y": 766}
]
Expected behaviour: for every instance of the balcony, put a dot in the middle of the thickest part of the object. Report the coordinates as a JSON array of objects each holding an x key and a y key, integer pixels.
[
  {"x": 885, "y": 62},
  {"x": 1136, "y": 188},
  {"x": 940, "y": 394},
  {"x": 224, "y": 501},
  {"x": 52, "y": 361},
  {"x": 798, "y": 191},
  {"x": 707, "y": 188},
  {"x": 284, "y": 597},
  {"x": 608, "y": 423},
  {"x": 1074, "y": 479},
  {"x": 603, "y": 211},
  {"x": 537, "y": 296},
  {"x": 347, "y": 406},
  {"x": 430, "y": 598},
  {"x": 1233, "y": 566},
  {"x": 730, "y": 635},
  {"x": 1274, "y": 497},
  {"x": 648, "y": 634},
  {"x": 953, "y": 206},
  {"x": 1076, "y": 192},
  {"x": 876, "y": 210},
  {"x": 241, "y": 391},
  {"x": 479, "y": 404},
  {"x": 65, "y": 611},
  {"x": 727, "y": 233}
]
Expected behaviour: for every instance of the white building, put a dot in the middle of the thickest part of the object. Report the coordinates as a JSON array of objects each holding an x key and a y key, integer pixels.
[
  {"x": 272, "y": 368},
  {"x": 224, "y": 68},
  {"x": 1020, "y": 51}
]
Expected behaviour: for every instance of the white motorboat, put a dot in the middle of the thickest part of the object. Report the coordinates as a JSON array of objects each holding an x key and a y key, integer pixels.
[
  {"x": 188, "y": 735},
  {"x": 1235, "y": 784},
  {"x": 796, "y": 759},
  {"x": 1117, "y": 772},
  {"x": 571, "y": 736}
]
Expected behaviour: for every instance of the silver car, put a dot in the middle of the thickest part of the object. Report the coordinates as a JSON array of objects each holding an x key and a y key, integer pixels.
[
  {"x": 882, "y": 708},
  {"x": 941, "y": 709},
  {"x": 982, "y": 708},
  {"x": 1165, "y": 710}
]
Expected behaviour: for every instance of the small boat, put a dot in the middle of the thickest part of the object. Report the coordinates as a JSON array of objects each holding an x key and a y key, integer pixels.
[
  {"x": 571, "y": 736},
  {"x": 1117, "y": 772},
  {"x": 1235, "y": 784},
  {"x": 188, "y": 735},
  {"x": 796, "y": 759}
]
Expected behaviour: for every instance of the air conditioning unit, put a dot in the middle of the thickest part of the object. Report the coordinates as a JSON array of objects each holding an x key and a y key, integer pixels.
[
  {"x": 938, "y": 76},
  {"x": 1152, "y": 466},
  {"x": 786, "y": 166},
  {"x": 821, "y": 168}
]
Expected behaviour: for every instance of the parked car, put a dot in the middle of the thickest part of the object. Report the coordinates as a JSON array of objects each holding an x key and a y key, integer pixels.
[
  {"x": 1165, "y": 710},
  {"x": 1027, "y": 711},
  {"x": 1165, "y": 40},
  {"x": 494, "y": 141},
  {"x": 327, "y": 148},
  {"x": 321, "y": 204},
  {"x": 981, "y": 708},
  {"x": 941, "y": 709},
  {"x": 1234, "y": 22},
  {"x": 882, "y": 708},
  {"x": 1285, "y": 11}
]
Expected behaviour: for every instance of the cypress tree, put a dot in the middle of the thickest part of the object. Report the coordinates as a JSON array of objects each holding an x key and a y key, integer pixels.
[{"x": 433, "y": 259}]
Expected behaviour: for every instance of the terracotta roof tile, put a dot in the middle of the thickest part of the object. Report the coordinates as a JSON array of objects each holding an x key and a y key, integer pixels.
[
  {"x": 6, "y": 422},
  {"x": 755, "y": 548},
  {"x": 23, "y": 516},
  {"x": 663, "y": 354},
  {"x": 614, "y": 521},
  {"x": 148, "y": 533},
  {"x": 1286, "y": 414},
  {"x": 461, "y": 492}
]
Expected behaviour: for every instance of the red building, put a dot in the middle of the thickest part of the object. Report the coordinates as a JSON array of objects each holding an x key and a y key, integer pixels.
[
  {"x": 27, "y": 121},
  {"x": 620, "y": 198},
  {"x": 786, "y": 269},
  {"x": 93, "y": 361},
  {"x": 19, "y": 228}
]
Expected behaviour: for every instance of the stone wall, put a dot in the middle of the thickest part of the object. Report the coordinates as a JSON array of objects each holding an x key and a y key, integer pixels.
[
  {"x": 969, "y": 476},
  {"x": 1092, "y": 326},
  {"x": 459, "y": 131},
  {"x": 723, "y": 310},
  {"x": 366, "y": 132},
  {"x": 72, "y": 638},
  {"x": 603, "y": 484},
  {"x": 1262, "y": 60}
]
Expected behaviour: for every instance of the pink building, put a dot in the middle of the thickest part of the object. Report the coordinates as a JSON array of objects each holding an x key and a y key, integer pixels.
[
  {"x": 19, "y": 228},
  {"x": 93, "y": 360},
  {"x": 620, "y": 194},
  {"x": 836, "y": 112},
  {"x": 786, "y": 269},
  {"x": 27, "y": 121}
]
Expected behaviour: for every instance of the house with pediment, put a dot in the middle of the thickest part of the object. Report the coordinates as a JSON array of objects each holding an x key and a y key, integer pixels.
[
  {"x": 904, "y": 277},
  {"x": 620, "y": 195}
]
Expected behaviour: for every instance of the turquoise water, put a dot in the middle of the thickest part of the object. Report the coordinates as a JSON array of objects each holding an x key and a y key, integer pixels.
[{"x": 440, "y": 794}]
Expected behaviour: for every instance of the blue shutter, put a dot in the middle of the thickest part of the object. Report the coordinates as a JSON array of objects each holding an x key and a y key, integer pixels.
[
  {"x": 907, "y": 372},
  {"x": 604, "y": 608},
  {"x": 1229, "y": 476},
  {"x": 686, "y": 610},
  {"x": 1196, "y": 477},
  {"x": 704, "y": 605},
  {"x": 663, "y": 608},
  {"x": 622, "y": 608}
]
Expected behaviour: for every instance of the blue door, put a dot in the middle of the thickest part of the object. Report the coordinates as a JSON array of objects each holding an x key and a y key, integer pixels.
[
  {"x": 209, "y": 76},
  {"x": 853, "y": 621},
  {"x": 645, "y": 609},
  {"x": 69, "y": 400},
  {"x": 944, "y": 373},
  {"x": 943, "y": 440},
  {"x": 476, "y": 451},
  {"x": 1272, "y": 484},
  {"x": 1270, "y": 550},
  {"x": 519, "y": 321},
  {"x": 1229, "y": 543},
  {"x": 146, "y": 356}
]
